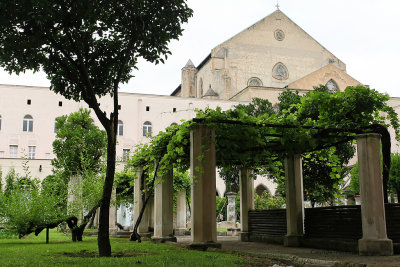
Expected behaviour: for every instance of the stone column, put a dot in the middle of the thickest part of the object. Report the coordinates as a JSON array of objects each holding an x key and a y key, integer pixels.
[
  {"x": 112, "y": 219},
  {"x": 294, "y": 201},
  {"x": 374, "y": 240},
  {"x": 203, "y": 171},
  {"x": 231, "y": 207},
  {"x": 138, "y": 204},
  {"x": 180, "y": 213},
  {"x": 163, "y": 208},
  {"x": 246, "y": 201}
]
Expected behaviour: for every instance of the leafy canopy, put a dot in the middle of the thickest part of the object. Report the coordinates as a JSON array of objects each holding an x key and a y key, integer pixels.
[{"x": 79, "y": 145}]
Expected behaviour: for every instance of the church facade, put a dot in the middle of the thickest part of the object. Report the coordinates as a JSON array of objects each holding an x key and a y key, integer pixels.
[{"x": 270, "y": 56}]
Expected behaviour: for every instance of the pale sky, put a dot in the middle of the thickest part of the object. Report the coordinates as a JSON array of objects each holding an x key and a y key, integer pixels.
[{"x": 364, "y": 34}]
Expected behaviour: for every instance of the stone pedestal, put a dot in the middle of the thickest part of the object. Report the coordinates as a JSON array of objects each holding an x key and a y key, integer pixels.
[
  {"x": 246, "y": 201},
  {"x": 163, "y": 205},
  {"x": 374, "y": 240},
  {"x": 203, "y": 168},
  {"x": 294, "y": 201},
  {"x": 138, "y": 204},
  {"x": 231, "y": 207},
  {"x": 180, "y": 213}
]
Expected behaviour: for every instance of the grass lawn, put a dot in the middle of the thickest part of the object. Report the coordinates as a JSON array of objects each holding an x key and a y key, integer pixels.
[{"x": 32, "y": 251}]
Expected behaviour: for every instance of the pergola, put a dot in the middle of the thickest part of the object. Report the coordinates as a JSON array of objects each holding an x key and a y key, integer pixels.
[{"x": 203, "y": 189}]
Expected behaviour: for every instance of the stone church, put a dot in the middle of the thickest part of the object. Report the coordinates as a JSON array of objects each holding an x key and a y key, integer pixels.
[{"x": 261, "y": 61}]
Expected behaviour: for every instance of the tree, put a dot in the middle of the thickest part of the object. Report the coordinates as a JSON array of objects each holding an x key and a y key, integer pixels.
[
  {"x": 87, "y": 48},
  {"x": 79, "y": 147}
]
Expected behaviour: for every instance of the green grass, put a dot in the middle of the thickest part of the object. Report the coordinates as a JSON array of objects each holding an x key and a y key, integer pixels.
[{"x": 32, "y": 251}]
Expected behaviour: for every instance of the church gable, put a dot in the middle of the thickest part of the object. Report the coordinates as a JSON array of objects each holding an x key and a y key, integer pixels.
[
  {"x": 330, "y": 75},
  {"x": 275, "y": 50}
]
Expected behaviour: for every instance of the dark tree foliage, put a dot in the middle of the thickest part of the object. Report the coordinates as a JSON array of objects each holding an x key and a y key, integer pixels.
[
  {"x": 87, "y": 48},
  {"x": 322, "y": 176}
]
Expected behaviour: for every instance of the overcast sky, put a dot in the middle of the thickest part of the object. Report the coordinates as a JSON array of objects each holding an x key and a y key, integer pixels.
[{"x": 365, "y": 34}]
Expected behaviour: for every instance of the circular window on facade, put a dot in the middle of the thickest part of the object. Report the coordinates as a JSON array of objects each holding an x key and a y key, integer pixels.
[
  {"x": 279, "y": 35},
  {"x": 280, "y": 72}
]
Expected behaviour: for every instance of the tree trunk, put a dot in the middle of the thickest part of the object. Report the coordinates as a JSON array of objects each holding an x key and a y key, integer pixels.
[
  {"x": 47, "y": 235},
  {"x": 103, "y": 236}
]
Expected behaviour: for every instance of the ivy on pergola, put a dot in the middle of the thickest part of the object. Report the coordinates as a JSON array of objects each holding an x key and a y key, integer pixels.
[
  {"x": 251, "y": 144},
  {"x": 279, "y": 141}
]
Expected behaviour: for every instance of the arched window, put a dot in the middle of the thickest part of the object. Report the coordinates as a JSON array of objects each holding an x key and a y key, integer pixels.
[
  {"x": 332, "y": 86},
  {"x": 254, "y": 82},
  {"x": 147, "y": 128},
  {"x": 27, "y": 124},
  {"x": 120, "y": 130}
]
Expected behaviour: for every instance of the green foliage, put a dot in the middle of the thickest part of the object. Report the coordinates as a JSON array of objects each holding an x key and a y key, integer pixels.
[
  {"x": 181, "y": 181},
  {"x": 394, "y": 178},
  {"x": 266, "y": 201},
  {"x": 10, "y": 178},
  {"x": 124, "y": 182},
  {"x": 79, "y": 143},
  {"x": 26, "y": 206},
  {"x": 354, "y": 187},
  {"x": 221, "y": 205},
  {"x": 230, "y": 174}
]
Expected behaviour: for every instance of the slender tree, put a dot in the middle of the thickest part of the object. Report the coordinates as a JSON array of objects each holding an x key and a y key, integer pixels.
[{"x": 87, "y": 48}]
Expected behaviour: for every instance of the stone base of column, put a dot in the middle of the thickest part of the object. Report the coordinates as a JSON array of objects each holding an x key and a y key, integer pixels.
[
  {"x": 203, "y": 246},
  {"x": 163, "y": 239},
  {"x": 375, "y": 247},
  {"x": 245, "y": 236},
  {"x": 180, "y": 231},
  {"x": 292, "y": 240},
  {"x": 146, "y": 235}
]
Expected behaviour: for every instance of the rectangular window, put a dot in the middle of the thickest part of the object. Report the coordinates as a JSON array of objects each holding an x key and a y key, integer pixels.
[
  {"x": 27, "y": 125},
  {"x": 60, "y": 103},
  {"x": 147, "y": 108},
  {"x": 28, "y": 101},
  {"x": 125, "y": 154},
  {"x": 47, "y": 155},
  {"x": 13, "y": 151},
  {"x": 31, "y": 152},
  {"x": 1, "y": 154}
]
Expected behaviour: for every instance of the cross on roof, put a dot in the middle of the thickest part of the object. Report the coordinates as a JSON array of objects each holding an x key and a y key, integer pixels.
[{"x": 277, "y": 4}]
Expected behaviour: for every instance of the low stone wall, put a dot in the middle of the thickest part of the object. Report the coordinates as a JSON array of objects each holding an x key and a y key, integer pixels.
[{"x": 337, "y": 227}]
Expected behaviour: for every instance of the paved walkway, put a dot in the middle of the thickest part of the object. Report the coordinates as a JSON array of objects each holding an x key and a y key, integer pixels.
[{"x": 301, "y": 256}]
